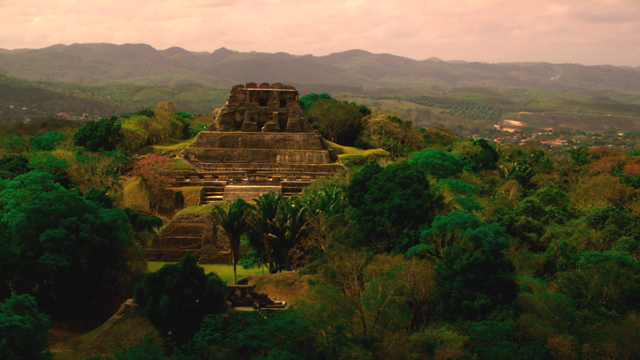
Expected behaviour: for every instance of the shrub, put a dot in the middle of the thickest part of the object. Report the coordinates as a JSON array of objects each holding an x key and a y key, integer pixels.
[
  {"x": 177, "y": 297},
  {"x": 23, "y": 329}
]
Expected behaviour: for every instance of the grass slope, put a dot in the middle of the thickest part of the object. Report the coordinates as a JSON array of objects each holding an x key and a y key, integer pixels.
[
  {"x": 120, "y": 332},
  {"x": 350, "y": 153},
  {"x": 224, "y": 271}
]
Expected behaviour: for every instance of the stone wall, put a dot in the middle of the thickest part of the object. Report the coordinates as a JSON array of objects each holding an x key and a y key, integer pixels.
[
  {"x": 262, "y": 107},
  {"x": 256, "y": 156},
  {"x": 244, "y": 140},
  {"x": 245, "y": 296}
]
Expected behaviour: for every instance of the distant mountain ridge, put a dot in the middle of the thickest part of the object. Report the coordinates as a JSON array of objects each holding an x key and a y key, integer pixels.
[{"x": 358, "y": 70}]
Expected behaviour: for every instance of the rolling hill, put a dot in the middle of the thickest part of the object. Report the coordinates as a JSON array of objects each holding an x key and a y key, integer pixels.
[
  {"x": 354, "y": 71},
  {"x": 21, "y": 99}
]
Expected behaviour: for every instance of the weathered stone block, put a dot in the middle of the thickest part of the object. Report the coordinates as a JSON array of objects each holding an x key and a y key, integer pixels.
[
  {"x": 240, "y": 140},
  {"x": 259, "y": 101},
  {"x": 255, "y": 156},
  {"x": 271, "y": 127},
  {"x": 250, "y": 126}
]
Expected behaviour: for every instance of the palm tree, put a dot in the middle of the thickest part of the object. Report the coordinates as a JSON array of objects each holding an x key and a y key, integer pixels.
[
  {"x": 326, "y": 202},
  {"x": 235, "y": 222},
  {"x": 268, "y": 206},
  {"x": 291, "y": 226}
]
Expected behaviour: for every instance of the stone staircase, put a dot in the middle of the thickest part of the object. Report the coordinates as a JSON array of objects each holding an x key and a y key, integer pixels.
[
  {"x": 211, "y": 194},
  {"x": 247, "y": 192},
  {"x": 294, "y": 191}
]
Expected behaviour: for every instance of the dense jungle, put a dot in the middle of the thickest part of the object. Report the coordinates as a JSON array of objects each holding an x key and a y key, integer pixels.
[{"x": 437, "y": 241}]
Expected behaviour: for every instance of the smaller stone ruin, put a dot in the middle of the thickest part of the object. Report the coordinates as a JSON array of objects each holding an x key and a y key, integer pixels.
[
  {"x": 245, "y": 297},
  {"x": 193, "y": 233}
]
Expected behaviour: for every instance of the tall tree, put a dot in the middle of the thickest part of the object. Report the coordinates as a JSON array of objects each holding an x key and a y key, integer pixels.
[
  {"x": 391, "y": 203},
  {"x": 13, "y": 165},
  {"x": 474, "y": 276},
  {"x": 102, "y": 135},
  {"x": 47, "y": 141},
  {"x": 23, "y": 329},
  {"x": 337, "y": 121},
  {"x": 438, "y": 163},
  {"x": 177, "y": 297},
  {"x": 307, "y": 101},
  {"x": 394, "y": 134},
  {"x": 71, "y": 253},
  {"x": 290, "y": 227},
  {"x": 235, "y": 222},
  {"x": 267, "y": 206}
]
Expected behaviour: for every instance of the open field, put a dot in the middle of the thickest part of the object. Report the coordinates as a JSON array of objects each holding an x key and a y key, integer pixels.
[{"x": 472, "y": 110}]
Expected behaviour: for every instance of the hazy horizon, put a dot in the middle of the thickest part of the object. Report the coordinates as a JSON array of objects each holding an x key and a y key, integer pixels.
[{"x": 586, "y": 33}]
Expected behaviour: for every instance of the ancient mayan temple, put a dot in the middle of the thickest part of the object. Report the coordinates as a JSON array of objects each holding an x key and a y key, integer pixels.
[
  {"x": 260, "y": 141},
  {"x": 261, "y": 134}
]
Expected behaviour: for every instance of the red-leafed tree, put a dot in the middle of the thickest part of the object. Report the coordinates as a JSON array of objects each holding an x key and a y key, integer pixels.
[{"x": 150, "y": 169}]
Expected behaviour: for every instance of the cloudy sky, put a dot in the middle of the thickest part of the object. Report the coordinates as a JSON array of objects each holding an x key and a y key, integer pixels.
[{"x": 585, "y": 32}]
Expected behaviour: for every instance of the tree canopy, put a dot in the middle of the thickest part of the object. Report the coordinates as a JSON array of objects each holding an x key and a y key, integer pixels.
[
  {"x": 47, "y": 142},
  {"x": 101, "y": 135},
  {"x": 64, "y": 249},
  {"x": 177, "y": 297},
  {"x": 339, "y": 122},
  {"x": 391, "y": 203}
]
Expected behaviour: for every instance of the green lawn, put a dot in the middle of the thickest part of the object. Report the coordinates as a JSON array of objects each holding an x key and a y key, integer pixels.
[
  {"x": 224, "y": 271},
  {"x": 205, "y": 209}
]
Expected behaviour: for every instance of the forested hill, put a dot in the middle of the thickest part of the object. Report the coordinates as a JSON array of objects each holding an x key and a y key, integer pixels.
[
  {"x": 33, "y": 99},
  {"x": 350, "y": 71}
]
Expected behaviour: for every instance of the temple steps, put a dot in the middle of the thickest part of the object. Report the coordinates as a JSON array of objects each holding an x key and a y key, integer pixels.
[
  {"x": 269, "y": 168},
  {"x": 175, "y": 255},
  {"x": 211, "y": 194},
  {"x": 251, "y": 156},
  {"x": 181, "y": 242},
  {"x": 248, "y": 192}
]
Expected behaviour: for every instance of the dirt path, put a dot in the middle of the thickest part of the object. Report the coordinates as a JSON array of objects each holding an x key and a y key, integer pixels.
[{"x": 62, "y": 340}]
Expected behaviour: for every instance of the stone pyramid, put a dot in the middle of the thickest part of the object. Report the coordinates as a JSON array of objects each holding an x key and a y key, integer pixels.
[
  {"x": 259, "y": 142},
  {"x": 261, "y": 133}
]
